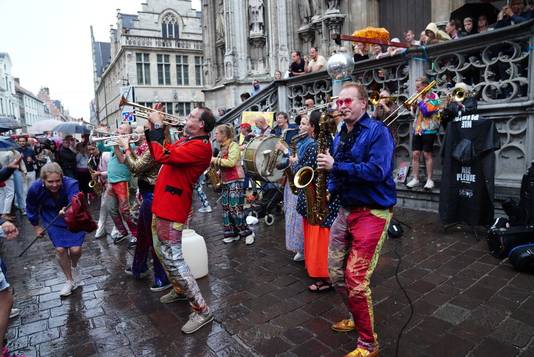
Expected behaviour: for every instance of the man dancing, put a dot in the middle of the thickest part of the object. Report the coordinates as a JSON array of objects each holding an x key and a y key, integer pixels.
[
  {"x": 182, "y": 164},
  {"x": 360, "y": 166}
]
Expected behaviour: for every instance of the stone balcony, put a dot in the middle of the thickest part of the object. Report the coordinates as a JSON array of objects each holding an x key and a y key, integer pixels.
[
  {"x": 160, "y": 42},
  {"x": 497, "y": 64}
]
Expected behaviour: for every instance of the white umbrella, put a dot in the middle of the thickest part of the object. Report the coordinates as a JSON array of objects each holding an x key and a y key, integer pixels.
[{"x": 44, "y": 125}]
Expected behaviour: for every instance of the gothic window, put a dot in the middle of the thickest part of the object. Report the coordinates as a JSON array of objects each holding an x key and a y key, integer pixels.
[
  {"x": 164, "y": 69},
  {"x": 169, "y": 26},
  {"x": 182, "y": 70},
  {"x": 199, "y": 74},
  {"x": 143, "y": 68}
]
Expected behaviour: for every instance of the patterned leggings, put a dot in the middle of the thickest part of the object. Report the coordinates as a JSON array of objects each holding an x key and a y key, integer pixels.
[
  {"x": 356, "y": 239},
  {"x": 200, "y": 191},
  {"x": 232, "y": 201},
  {"x": 167, "y": 239}
]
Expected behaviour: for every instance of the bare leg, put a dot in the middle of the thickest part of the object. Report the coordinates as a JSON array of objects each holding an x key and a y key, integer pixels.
[
  {"x": 6, "y": 302},
  {"x": 428, "y": 163},
  {"x": 75, "y": 253},
  {"x": 415, "y": 164},
  {"x": 64, "y": 262}
]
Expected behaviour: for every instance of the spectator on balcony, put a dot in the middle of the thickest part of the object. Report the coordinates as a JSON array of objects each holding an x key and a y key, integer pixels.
[
  {"x": 296, "y": 68},
  {"x": 317, "y": 62},
  {"x": 423, "y": 38},
  {"x": 409, "y": 37},
  {"x": 435, "y": 35},
  {"x": 255, "y": 87},
  {"x": 483, "y": 25},
  {"x": 468, "y": 27},
  {"x": 513, "y": 14},
  {"x": 244, "y": 96},
  {"x": 453, "y": 29},
  {"x": 361, "y": 52},
  {"x": 391, "y": 50},
  {"x": 376, "y": 51},
  {"x": 277, "y": 75}
]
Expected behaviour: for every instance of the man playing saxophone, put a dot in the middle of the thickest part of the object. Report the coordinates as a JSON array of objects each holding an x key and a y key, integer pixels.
[{"x": 360, "y": 166}]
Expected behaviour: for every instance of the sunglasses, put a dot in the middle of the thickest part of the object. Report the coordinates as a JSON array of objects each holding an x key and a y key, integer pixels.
[{"x": 346, "y": 101}]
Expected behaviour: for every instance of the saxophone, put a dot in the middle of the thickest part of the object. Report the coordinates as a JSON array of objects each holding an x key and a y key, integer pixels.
[
  {"x": 316, "y": 195},
  {"x": 95, "y": 184},
  {"x": 213, "y": 177},
  {"x": 288, "y": 172}
]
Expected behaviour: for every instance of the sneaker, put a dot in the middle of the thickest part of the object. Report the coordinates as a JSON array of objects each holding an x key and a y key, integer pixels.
[
  {"x": 205, "y": 209},
  {"x": 132, "y": 242},
  {"x": 298, "y": 257},
  {"x": 100, "y": 233},
  {"x": 141, "y": 275},
  {"x": 67, "y": 289},
  {"x": 14, "y": 313},
  {"x": 196, "y": 321},
  {"x": 118, "y": 239},
  {"x": 413, "y": 182},
  {"x": 157, "y": 288},
  {"x": 362, "y": 352},
  {"x": 250, "y": 239},
  {"x": 231, "y": 239},
  {"x": 429, "y": 184},
  {"x": 171, "y": 297},
  {"x": 346, "y": 325}
]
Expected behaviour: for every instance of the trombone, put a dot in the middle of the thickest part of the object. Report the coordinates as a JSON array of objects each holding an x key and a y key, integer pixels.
[
  {"x": 326, "y": 105},
  {"x": 111, "y": 140},
  {"x": 143, "y": 112},
  {"x": 409, "y": 103},
  {"x": 374, "y": 97}
]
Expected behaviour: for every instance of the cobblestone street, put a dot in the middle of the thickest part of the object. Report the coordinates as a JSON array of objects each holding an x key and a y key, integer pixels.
[{"x": 466, "y": 302}]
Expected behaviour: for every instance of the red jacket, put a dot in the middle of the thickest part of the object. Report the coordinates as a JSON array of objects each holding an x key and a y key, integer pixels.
[{"x": 183, "y": 163}]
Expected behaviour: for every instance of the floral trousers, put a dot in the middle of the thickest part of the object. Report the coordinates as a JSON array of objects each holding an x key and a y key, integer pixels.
[
  {"x": 356, "y": 238},
  {"x": 232, "y": 201}
]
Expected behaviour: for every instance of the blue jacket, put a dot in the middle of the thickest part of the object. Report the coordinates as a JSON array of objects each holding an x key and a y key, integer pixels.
[{"x": 362, "y": 175}]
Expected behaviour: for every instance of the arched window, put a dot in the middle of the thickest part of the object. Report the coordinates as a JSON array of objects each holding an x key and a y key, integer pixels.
[{"x": 169, "y": 26}]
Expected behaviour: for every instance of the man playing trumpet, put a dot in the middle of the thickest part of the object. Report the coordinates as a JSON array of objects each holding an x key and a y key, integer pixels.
[{"x": 182, "y": 164}]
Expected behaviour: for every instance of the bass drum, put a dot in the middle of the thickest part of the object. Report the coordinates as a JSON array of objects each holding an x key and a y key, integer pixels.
[{"x": 257, "y": 155}]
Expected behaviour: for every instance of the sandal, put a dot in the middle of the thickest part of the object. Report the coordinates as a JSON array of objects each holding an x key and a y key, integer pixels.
[{"x": 320, "y": 286}]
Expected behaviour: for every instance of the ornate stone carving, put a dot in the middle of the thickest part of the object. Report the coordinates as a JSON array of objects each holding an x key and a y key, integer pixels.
[{"x": 256, "y": 19}]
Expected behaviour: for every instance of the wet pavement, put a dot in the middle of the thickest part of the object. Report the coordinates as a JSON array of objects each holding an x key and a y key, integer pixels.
[{"x": 466, "y": 302}]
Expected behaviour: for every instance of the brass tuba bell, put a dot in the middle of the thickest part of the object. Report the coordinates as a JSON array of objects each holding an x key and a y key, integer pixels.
[{"x": 458, "y": 95}]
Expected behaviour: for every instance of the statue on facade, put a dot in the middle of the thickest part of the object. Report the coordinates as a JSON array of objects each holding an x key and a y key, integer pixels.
[
  {"x": 316, "y": 8},
  {"x": 333, "y": 5},
  {"x": 256, "y": 24},
  {"x": 305, "y": 11},
  {"x": 219, "y": 22}
]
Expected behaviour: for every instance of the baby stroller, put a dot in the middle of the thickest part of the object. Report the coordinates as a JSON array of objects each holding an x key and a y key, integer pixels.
[{"x": 268, "y": 204}]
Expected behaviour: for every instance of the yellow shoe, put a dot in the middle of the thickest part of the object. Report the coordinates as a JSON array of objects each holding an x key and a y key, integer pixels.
[
  {"x": 346, "y": 325},
  {"x": 362, "y": 352}
]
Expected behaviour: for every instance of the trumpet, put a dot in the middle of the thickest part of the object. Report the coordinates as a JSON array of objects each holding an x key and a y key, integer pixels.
[
  {"x": 111, "y": 140},
  {"x": 143, "y": 112},
  {"x": 326, "y": 105}
]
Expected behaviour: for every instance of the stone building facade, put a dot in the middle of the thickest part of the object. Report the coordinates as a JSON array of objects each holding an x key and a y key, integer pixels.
[
  {"x": 32, "y": 109},
  {"x": 251, "y": 39},
  {"x": 155, "y": 55},
  {"x": 9, "y": 103}
]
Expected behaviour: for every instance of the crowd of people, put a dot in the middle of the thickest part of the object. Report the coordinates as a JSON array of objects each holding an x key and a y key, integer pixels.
[{"x": 169, "y": 170}]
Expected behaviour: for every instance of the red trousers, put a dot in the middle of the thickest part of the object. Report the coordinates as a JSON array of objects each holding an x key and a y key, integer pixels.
[
  {"x": 356, "y": 238},
  {"x": 121, "y": 210}
]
